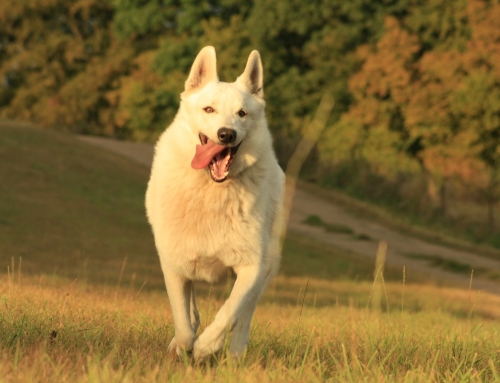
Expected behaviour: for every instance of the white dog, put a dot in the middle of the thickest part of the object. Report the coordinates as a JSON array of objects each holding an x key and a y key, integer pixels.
[{"x": 214, "y": 202}]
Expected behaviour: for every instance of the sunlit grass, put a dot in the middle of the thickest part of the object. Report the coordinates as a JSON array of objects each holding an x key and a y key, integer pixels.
[{"x": 54, "y": 330}]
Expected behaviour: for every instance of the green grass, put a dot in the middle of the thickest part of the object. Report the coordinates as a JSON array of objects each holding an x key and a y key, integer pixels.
[
  {"x": 82, "y": 296},
  {"x": 315, "y": 220},
  {"x": 363, "y": 237},
  {"x": 446, "y": 264},
  {"x": 455, "y": 266},
  {"x": 72, "y": 210}
]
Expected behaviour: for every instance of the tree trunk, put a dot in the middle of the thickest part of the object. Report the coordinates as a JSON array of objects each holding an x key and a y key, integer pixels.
[
  {"x": 432, "y": 191},
  {"x": 492, "y": 198},
  {"x": 442, "y": 199},
  {"x": 491, "y": 214},
  {"x": 436, "y": 191}
]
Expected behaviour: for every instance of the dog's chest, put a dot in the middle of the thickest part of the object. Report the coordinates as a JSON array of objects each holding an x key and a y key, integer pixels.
[{"x": 219, "y": 221}]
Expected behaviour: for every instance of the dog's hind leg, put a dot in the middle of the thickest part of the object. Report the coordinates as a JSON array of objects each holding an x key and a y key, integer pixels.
[
  {"x": 195, "y": 316},
  {"x": 243, "y": 298},
  {"x": 179, "y": 292}
]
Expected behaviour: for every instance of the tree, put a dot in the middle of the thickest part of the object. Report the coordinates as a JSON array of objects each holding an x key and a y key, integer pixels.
[
  {"x": 476, "y": 101},
  {"x": 47, "y": 46},
  {"x": 375, "y": 127}
]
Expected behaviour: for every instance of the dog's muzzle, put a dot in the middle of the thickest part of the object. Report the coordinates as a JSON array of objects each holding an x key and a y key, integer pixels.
[{"x": 217, "y": 158}]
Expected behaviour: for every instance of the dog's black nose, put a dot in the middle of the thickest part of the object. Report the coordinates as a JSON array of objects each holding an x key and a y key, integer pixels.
[{"x": 226, "y": 136}]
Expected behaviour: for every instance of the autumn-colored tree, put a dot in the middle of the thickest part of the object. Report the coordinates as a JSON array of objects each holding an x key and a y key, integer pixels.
[
  {"x": 80, "y": 67},
  {"x": 476, "y": 101},
  {"x": 374, "y": 128},
  {"x": 455, "y": 106},
  {"x": 49, "y": 46},
  {"x": 429, "y": 96},
  {"x": 415, "y": 83}
]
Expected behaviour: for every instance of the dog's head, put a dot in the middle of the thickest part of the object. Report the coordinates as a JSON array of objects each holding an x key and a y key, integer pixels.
[{"x": 221, "y": 114}]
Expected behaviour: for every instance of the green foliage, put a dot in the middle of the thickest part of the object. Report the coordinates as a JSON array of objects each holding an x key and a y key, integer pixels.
[
  {"x": 143, "y": 17},
  {"x": 308, "y": 48},
  {"x": 440, "y": 23},
  {"x": 175, "y": 55},
  {"x": 426, "y": 103},
  {"x": 314, "y": 220},
  {"x": 415, "y": 83}
]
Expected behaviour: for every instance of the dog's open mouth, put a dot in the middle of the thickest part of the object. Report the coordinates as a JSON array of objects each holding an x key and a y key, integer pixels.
[{"x": 218, "y": 158}]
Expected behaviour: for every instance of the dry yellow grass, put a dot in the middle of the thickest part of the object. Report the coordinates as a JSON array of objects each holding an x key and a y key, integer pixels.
[{"x": 56, "y": 330}]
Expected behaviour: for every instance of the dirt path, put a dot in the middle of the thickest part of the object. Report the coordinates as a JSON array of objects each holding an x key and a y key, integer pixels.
[{"x": 401, "y": 247}]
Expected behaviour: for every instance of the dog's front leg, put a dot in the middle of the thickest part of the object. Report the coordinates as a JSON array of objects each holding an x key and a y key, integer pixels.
[
  {"x": 180, "y": 294},
  {"x": 242, "y": 300},
  {"x": 241, "y": 332}
]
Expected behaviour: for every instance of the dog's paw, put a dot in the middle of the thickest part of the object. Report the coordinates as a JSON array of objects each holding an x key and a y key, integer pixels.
[
  {"x": 172, "y": 349},
  {"x": 176, "y": 350},
  {"x": 203, "y": 348}
]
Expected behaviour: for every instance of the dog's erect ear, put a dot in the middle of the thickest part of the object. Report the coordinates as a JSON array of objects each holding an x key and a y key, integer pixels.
[
  {"x": 253, "y": 76},
  {"x": 203, "y": 71}
]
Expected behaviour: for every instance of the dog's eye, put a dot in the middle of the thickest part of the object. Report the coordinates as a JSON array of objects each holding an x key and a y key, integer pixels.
[
  {"x": 242, "y": 113},
  {"x": 209, "y": 109}
]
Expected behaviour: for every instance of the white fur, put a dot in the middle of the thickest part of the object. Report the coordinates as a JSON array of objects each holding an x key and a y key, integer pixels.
[{"x": 203, "y": 228}]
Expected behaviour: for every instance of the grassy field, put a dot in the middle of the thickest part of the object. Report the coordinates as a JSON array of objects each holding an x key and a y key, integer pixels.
[
  {"x": 82, "y": 296},
  {"x": 54, "y": 331}
]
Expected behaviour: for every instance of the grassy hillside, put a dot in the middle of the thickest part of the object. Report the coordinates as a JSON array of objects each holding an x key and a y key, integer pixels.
[
  {"x": 82, "y": 296},
  {"x": 72, "y": 210},
  {"x": 76, "y": 211}
]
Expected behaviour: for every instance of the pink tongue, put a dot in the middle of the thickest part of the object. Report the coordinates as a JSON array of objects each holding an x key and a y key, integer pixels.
[{"x": 205, "y": 153}]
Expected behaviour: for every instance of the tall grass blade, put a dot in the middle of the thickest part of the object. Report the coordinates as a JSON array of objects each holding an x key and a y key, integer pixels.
[
  {"x": 378, "y": 276},
  {"x": 121, "y": 276},
  {"x": 306, "y": 353}
]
